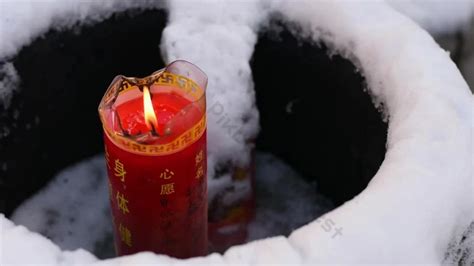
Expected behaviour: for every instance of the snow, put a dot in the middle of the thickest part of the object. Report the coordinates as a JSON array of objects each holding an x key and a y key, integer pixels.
[
  {"x": 9, "y": 81},
  {"x": 209, "y": 33},
  {"x": 419, "y": 204},
  {"x": 461, "y": 250},
  {"x": 437, "y": 17},
  {"x": 282, "y": 193},
  {"x": 73, "y": 209},
  {"x": 21, "y": 247},
  {"x": 427, "y": 165}
]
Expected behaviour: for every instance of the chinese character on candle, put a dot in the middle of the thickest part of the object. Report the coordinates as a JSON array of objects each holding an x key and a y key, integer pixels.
[
  {"x": 122, "y": 203},
  {"x": 167, "y": 174},
  {"x": 119, "y": 170},
  {"x": 125, "y": 235},
  {"x": 167, "y": 189}
]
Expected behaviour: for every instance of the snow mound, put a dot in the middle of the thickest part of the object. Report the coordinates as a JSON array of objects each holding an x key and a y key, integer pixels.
[
  {"x": 428, "y": 163},
  {"x": 219, "y": 37},
  {"x": 417, "y": 205},
  {"x": 19, "y": 246}
]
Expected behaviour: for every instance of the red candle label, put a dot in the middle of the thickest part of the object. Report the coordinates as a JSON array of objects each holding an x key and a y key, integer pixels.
[
  {"x": 159, "y": 205},
  {"x": 157, "y": 165}
]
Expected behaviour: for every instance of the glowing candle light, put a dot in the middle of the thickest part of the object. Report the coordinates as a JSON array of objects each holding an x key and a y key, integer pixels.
[{"x": 150, "y": 117}]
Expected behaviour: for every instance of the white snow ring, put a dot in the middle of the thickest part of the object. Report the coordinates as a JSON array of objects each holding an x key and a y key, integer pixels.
[
  {"x": 421, "y": 196},
  {"x": 426, "y": 170}
]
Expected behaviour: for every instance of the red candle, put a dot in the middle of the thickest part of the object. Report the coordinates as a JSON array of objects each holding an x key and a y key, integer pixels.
[{"x": 155, "y": 147}]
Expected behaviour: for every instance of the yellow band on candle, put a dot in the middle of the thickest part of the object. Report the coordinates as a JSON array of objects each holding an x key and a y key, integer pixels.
[{"x": 184, "y": 140}]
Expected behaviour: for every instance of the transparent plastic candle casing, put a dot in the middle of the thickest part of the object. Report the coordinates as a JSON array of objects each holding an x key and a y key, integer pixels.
[{"x": 155, "y": 148}]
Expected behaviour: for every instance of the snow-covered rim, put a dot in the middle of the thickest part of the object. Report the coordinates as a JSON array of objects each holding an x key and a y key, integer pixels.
[{"x": 421, "y": 197}]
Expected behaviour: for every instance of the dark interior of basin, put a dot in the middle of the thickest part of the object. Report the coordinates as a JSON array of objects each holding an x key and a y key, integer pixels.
[{"x": 314, "y": 112}]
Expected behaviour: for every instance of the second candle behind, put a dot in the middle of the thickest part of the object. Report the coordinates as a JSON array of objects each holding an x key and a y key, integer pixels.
[{"x": 155, "y": 141}]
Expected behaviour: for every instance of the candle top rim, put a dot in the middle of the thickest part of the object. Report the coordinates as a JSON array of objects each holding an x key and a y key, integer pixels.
[{"x": 168, "y": 80}]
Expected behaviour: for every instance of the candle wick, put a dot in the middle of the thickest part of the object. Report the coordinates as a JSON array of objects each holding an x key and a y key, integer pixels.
[{"x": 153, "y": 130}]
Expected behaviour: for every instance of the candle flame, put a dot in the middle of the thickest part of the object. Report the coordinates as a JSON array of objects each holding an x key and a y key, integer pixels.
[{"x": 150, "y": 117}]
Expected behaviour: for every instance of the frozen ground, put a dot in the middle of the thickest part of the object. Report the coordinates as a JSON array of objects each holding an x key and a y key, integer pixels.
[
  {"x": 73, "y": 209},
  {"x": 418, "y": 207}
]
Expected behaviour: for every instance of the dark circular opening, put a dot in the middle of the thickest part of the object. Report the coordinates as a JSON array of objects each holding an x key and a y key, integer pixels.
[{"x": 316, "y": 114}]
